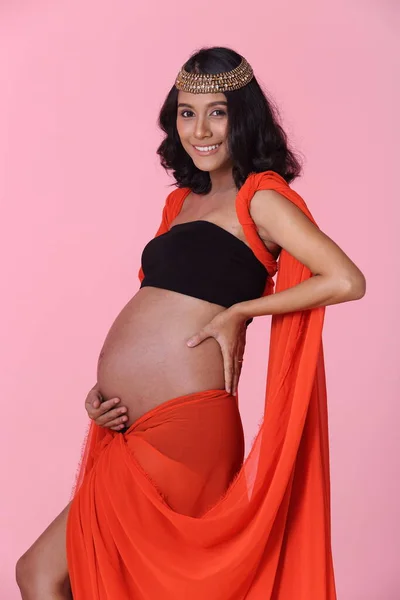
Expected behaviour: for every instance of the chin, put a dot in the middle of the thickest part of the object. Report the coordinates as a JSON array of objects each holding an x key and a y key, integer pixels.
[
  {"x": 211, "y": 165},
  {"x": 218, "y": 167},
  {"x": 206, "y": 168}
]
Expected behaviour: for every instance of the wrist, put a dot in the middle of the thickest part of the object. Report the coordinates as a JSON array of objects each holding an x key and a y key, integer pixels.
[{"x": 241, "y": 310}]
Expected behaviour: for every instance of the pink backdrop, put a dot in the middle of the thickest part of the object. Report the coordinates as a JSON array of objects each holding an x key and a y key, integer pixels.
[{"x": 81, "y": 192}]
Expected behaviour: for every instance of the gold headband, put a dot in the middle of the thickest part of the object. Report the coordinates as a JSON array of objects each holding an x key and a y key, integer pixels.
[{"x": 205, "y": 83}]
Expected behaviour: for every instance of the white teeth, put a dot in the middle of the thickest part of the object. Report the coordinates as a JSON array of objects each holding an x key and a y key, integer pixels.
[{"x": 207, "y": 148}]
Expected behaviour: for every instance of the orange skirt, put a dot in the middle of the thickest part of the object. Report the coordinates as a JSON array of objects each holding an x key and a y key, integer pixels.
[
  {"x": 152, "y": 518},
  {"x": 186, "y": 452}
]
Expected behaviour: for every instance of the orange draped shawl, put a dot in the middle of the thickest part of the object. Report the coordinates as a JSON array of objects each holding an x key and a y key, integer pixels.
[{"x": 268, "y": 537}]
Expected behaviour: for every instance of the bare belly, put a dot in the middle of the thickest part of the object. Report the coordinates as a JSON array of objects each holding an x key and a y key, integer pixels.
[{"x": 145, "y": 360}]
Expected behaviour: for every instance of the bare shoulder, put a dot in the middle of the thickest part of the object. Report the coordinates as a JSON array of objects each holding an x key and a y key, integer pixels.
[
  {"x": 268, "y": 206},
  {"x": 280, "y": 221}
]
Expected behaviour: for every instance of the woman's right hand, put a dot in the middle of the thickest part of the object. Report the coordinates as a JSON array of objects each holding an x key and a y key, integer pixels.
[{"x": 105, "y": 413}]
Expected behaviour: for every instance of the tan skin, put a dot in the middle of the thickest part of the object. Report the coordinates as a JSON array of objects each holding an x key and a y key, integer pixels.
[{"x": 200, "y": 346}]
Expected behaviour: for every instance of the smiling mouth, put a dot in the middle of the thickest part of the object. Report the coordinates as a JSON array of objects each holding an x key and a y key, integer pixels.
[{"x": 205, "y": 150}]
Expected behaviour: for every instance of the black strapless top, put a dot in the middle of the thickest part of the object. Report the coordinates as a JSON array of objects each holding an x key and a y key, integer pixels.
[{"x": 201, "y": 259}]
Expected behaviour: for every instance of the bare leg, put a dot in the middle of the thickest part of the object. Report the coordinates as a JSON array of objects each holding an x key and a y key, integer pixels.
[{"x": 42, "y": 572}]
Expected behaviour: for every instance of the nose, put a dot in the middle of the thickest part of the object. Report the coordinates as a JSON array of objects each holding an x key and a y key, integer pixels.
[{"x": 201, "y": 129}]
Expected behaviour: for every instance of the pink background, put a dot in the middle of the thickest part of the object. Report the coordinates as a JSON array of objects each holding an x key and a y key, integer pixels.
[{"x": 81, "y": 192}]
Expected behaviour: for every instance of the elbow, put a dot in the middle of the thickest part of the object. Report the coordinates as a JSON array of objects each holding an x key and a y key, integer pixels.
[
  {"x": 354, "y": 287},
  {"x": 359, "y": 286}
]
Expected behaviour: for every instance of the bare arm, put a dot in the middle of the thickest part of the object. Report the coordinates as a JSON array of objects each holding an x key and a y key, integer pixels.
[{"x": 335, "y": 278}]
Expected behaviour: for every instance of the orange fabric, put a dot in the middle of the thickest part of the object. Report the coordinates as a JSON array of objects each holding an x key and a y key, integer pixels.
[{"x": 267, "y": 537}]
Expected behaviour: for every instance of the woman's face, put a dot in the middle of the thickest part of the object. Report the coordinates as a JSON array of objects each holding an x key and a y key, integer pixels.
[{"x": 202, "y": 122}]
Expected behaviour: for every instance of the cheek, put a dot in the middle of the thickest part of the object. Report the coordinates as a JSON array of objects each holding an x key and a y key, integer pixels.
[
  {"x": 178, "y": 128},
  {"x": 223, "y": 130},
  {"x": 183, "y": 128}
]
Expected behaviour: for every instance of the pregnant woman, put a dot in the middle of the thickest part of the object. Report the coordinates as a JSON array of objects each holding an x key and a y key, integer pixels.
[{"x": 165, "y": 506}]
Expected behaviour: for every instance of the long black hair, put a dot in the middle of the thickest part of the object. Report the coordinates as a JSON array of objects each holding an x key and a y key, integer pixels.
[{"x": 256, "y": 140}]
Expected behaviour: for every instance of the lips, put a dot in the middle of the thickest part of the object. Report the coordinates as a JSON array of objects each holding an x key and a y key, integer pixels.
[{"x": 207, "y": 152}]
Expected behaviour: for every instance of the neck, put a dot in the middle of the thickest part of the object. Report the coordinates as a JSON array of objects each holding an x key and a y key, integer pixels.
[{"x": 222, "y": 181}]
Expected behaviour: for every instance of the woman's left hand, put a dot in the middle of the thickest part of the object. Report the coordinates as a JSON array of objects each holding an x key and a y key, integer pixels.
[{"x": 228, "y": 328}]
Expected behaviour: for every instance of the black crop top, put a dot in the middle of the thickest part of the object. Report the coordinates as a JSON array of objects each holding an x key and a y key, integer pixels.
[{"x": 201, "y": 259}]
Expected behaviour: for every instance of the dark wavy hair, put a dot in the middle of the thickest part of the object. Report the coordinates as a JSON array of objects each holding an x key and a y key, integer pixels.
[{"x": 256, "y": 140}]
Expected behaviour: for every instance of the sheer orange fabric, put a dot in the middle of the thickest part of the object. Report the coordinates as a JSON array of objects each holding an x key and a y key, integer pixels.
[{"x": 146, "y": 523}]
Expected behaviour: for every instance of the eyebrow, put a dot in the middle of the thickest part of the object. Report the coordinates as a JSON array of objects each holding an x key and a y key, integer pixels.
[{"x": 181, "y": 104}]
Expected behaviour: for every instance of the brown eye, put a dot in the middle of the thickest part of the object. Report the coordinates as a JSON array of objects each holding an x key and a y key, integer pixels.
[{"x": 185, "y": 111}]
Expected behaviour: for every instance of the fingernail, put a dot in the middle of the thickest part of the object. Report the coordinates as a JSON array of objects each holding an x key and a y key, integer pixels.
[{"x": 116, "y": 400}]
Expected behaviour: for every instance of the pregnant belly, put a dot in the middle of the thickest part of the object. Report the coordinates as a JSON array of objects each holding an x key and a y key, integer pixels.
[{"x": 145, "y": 360}]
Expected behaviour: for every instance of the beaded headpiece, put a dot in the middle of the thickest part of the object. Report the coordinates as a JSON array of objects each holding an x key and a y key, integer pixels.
[{"x": 205, "y": 83}]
